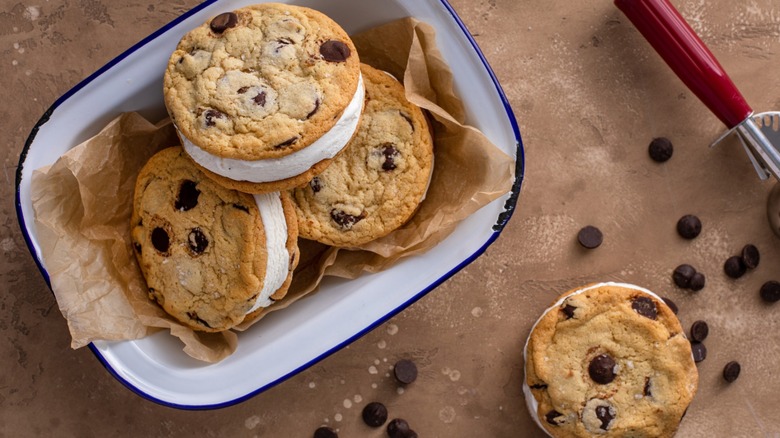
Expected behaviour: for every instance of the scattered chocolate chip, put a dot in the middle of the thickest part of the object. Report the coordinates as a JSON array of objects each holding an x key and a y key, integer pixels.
[
  {"x": 334, "y": 51},
  {"x": 645, "y": 306},
  {"x": 315, "y": 184},
  {"x": 211, "y": 115},
  {"x": 699, "y": 331},
  {"x": 160, "y": 240},
  {"x": 375, "y": 414},
  {"x": 405, "y": 371},
  {"x": 325, "y": 432},
  {"x": 671, "y": 305},
  {"x": 750, "y": 256},
  {"x": 344, "y": 220},
  {"x": 697, "y": 282},
  {"x": 647, "y": 390},
  {"x": 606, "y": 414},
  {"x": 731, "y": 371},
  {"x": 390, "y": 153},
  {"x": 551, "y": 417},
  {"x": 568, "y": 310},
  {"x": 197, "y": 241},
  {"x": 194, "y": 316},
  {"x": 224, "y": 21},
  {"x": 660, "y": 149},
  {"x": 241, "y": 207},
  {"x": 699, "y": 351},
  {"x": 398, "y": 428},
  {"x": 689, "y": 226},
  {"x": 286, "y": 143},
  {"x": 734, "y": 267},
  {"x": 260, "y": 98},
  {"x": 770, "y": 291},
  {"x": 682, "y": 275},
  {"x": 602, "y": 369},
  {"x": 590, "y": 237},
  {"x": 242, "y": 90},
  {"x": 316, "y": 108},
  {"x": 188, "y": 196}
]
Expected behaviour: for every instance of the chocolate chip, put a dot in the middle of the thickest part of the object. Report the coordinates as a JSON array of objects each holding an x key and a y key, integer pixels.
[
  {"x": 398, "y": 428},
  {"x": 697, "y": 282},
  {"x": 325, "y": 432},
  {"x": 602, "y": 369},
  {"x": 344, "y": 220},
  {"x": 770, "y": 291},
  {"x": 551, "y": 416},
  {"x": 243, "y": 208},
  {"x": 194, "y": 316},
  {"x": 260, "y": 98},
  {"x": 405, "y": 371},
  {"x": 699, "y": 351},
  {"x": 160, "y": 240},
  {"x": 390, "y": 153},
  {"x": 316, "y": 108},
  {"x": 375, "y": 414},
  {"x": 645, "y": 306},
  {"x": 568, "y": 310},
  {"x": 188, "y": 196},
  {"x": 242, "y": 90},
  {"x": 197, "y": 241},
  {"x": 750, "y": 256},
  {"x": 731, "y": 371},
  {"x": 734, "y": 267},
  {"x": 671, "y": 305},
  {"x": 315, "y": 184},
  {"x": 606, "y": 414},
  {"x": 211, "y": 115},
  {"x": 538, "y": 386},
  {"x": 699, "y": 331},
  {"x": 334, "y": 51},
  {"x": 286, "y": 143},
  {"x": 682, "y": 275},
  {"x": 590, "y": 237},
  {"x": 660, "y": 149},
  {"x": 689, "y": 226},
  {"x": 647, "y": 390},
  {"x": 224, "y": 21}
]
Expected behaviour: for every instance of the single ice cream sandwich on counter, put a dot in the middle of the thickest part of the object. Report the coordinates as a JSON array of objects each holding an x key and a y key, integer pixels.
[
  {"x": 211, "y": 256},
  {"x": 379, "y": 181},
  {"x": 264, "y": 97}
]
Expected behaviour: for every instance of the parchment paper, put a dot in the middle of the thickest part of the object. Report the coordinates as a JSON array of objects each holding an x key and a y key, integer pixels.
[{"x": 83, "y": 202}]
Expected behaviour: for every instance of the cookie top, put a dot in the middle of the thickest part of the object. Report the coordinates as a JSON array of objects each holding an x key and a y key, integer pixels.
[
  {"x": 261, "y": 82},
  {"x": 609, "y": 359},
  {"x": 210, "y": 255},
  {"x": 381, "y": 177}
]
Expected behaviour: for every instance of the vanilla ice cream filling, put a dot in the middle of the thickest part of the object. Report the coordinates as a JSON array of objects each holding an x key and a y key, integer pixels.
[
  {"x": 278, "y": 263},
  {"x": 530, "y": 400},
  {"x": 288, "y": 166}
]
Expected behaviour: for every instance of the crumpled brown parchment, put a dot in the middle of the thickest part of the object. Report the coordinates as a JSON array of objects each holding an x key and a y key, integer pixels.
[{"x": 83, "y": 203}]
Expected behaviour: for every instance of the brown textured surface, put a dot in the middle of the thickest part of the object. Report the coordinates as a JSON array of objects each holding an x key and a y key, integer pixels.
[{"x": 589, "y": 95}]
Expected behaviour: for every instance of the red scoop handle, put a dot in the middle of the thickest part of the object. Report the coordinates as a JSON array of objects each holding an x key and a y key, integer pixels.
[{"x": 665, "y": 29}]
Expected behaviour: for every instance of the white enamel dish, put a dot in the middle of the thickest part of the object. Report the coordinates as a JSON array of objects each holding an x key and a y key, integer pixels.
[{"x": 285, "y": 342}]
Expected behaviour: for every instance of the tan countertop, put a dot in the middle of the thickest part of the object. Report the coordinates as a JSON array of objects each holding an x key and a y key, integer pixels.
[{"x": 589, "y": 94}]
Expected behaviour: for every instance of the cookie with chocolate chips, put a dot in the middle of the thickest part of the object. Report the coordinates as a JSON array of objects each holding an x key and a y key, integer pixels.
[
  {"x": 211, "y": 256},
  {"x": 609, "y": 359},
  {"x": 265, "y": 96},
  {"x": 376, "y": 185}
]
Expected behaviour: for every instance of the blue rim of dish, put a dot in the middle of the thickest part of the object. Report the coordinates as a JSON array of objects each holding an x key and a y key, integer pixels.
[{"x": 503, "y": 218}]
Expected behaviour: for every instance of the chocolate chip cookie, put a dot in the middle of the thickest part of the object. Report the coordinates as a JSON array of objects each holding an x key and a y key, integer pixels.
[
  {"x": 211, "y": 256},
  {"x": 609, "y": 359},
  {"x": 264, "y": 96},
  {"x": 376, "y": 185}
]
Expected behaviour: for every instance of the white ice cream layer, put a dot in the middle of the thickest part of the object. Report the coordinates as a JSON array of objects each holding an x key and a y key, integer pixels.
[
  {"x": 277, "y": 265},
  {"x": 294, "y": 164},
  {"x": 530, "y": 400}
]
